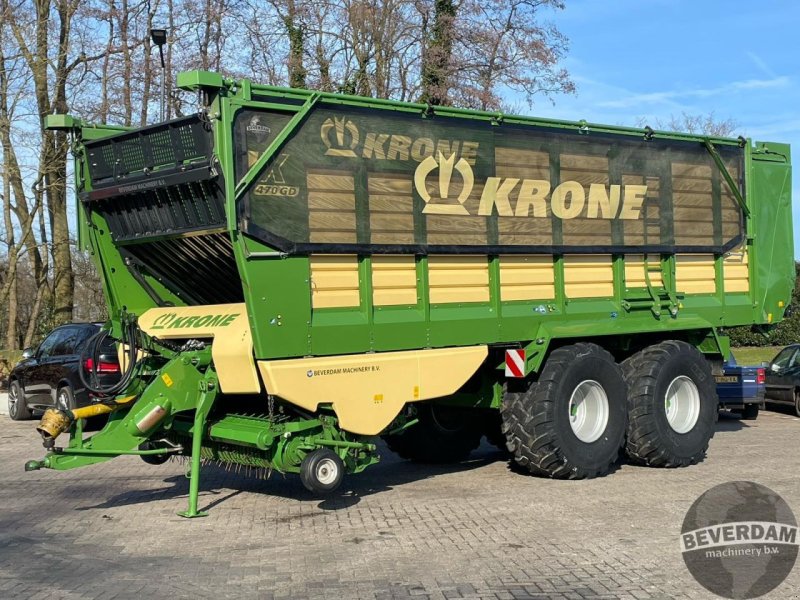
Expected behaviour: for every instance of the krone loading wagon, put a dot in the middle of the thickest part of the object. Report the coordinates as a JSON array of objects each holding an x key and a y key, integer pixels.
[{"x": 291, "y": 274}]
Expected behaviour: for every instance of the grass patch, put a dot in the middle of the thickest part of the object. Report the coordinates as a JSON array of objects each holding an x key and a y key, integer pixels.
[
  {"x": 755, "y": 355},
  {"x": 12, "y": 356}
]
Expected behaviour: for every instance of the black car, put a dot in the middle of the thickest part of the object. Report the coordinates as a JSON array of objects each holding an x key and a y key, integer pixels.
[
  {"x": 783, "y": 377},
  {"x": 47, "y": 376}
]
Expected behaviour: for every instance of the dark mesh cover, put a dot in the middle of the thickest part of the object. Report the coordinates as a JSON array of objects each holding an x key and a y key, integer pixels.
[{"x": 381, "y": 181}]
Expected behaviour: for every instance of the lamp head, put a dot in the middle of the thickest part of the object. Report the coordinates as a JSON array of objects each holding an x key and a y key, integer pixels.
[{"x": 159, "y": 36}]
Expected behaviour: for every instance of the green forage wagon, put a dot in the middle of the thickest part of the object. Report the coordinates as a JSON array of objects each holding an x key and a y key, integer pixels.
[{"x": 291, "y": 274}]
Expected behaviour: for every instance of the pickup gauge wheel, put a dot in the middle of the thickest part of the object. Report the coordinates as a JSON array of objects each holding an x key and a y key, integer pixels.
[
  {"x": 321, "y": 471},
  {"x": 672, "y": 405},
  {"x": 153, "y": 459},
  {"x": 570, "y": 424}
]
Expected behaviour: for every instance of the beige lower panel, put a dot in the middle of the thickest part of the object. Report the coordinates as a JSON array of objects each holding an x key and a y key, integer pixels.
[
  {"x": 394, "y": 280},
  {"x": 369, "y": 390},
  {"x": 735, "y": 269},
  {"x": 524, "y": 277},
  {"x": 458, "y": 278},
  {"x": 695, "y": 273},
  {"x": 334, "y": 280},
  {"x": 232, "y": 349},
  {"x": 588, "y": 276}
]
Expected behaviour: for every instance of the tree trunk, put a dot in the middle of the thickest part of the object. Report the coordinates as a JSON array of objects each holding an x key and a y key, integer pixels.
[
  {"x": 127, "y": 62},
  {"x": 437, "y": 52},
  {"x": 294, "y": 31}
]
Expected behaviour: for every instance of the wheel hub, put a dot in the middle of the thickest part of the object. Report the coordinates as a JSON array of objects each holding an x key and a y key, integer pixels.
[
  {"x": 588, "y": 411},
  {"x": 682, "y": 404},
  {"x": 327, "y": 471}
]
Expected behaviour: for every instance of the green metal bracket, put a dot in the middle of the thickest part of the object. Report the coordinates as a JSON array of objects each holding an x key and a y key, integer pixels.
[
  {"x": 714, "y": 343},
  {"x": 62, "y": 123},
  {"x": 122, "y": 434},
  {"x": 728, "y": 179},
  {"x": 659, "y": 303},
  {"x": 534, "y": 353},
  {"x": 112, "y": 453},
  {"x": 194, "y": 80},
  {"x": 208, "y": 393},
  {"x": 254, "y": 171}
]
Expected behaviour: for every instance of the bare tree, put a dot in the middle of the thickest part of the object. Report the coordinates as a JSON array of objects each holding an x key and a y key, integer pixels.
[
  {"x": 95, "y": 59},
  {"x": 702, "y": 124}
]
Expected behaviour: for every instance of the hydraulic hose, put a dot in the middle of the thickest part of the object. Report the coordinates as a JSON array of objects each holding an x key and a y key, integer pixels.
[{"x": 130, "y": 338}]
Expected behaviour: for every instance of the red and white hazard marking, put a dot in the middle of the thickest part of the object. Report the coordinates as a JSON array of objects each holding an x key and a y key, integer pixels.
[{"x": 515, "y": 363}]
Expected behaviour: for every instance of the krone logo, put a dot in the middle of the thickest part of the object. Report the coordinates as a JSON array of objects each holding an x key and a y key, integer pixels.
[
  {"x": 164, "y": 320},
  {"x": 446, "y": 166},
  {"x": 339, "y": 126}
]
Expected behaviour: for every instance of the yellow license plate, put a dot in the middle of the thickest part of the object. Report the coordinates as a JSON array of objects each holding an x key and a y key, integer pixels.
[{"x": 727, "y": 378}]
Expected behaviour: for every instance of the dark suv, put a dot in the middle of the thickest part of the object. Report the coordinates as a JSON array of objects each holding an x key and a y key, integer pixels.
[{"x": 47, "y": 376}]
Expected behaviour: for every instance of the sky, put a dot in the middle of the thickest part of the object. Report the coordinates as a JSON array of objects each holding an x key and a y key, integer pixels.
[{"x": 651, "y": 59}]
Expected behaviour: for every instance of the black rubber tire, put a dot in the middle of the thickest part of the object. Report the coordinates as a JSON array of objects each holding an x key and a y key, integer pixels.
[
  {"x": 493, "y": 430},
  {"x": 65, "y": 398},
  {"x": 17, "y": 407},
  {"x": 797, "y": 402},
  {"x": 444, "y": 434},
  {"x": 153, "y": 459},
  {"x": 536, "y": 420},
  {"x": 317, "y": 463},
  {"x": 750, "y": 412},
  {"x": 651, "y": 440}
]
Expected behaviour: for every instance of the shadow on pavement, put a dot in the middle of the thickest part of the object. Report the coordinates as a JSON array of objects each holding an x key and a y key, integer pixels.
[
  {"x": 216, "y": 482},
  {"x": 730, "y": 421},
  {"x": 389, "y": 474}
]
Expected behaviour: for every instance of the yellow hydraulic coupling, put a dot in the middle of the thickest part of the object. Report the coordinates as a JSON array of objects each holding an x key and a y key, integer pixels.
[{"x": 56, "y": 421}]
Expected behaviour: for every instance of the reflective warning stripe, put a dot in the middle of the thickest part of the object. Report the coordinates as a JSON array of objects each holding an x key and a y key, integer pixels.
[{"x": 515, "y": 363}]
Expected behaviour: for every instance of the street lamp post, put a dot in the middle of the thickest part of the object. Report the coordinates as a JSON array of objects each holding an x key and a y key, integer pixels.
[{"x": 159, "y": 37}]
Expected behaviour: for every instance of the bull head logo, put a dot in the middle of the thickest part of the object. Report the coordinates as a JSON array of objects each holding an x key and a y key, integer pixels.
[
  {"x": 339, "y": 126},
  {"x": 164, "y": 320},
  {"x": 446, "y": 166}
]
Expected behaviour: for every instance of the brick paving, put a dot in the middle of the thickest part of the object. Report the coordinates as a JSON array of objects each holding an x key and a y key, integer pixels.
[{"x": 399, "y": 530}]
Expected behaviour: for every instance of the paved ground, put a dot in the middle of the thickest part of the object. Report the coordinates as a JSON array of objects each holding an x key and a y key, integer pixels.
[{"x": 475, "y": 530}]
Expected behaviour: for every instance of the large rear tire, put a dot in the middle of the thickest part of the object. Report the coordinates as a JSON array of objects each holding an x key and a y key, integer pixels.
[
  {"x": 444, "y": 434},
  {"x": 672, "y": 405},
  {"x": 570, "y": 424}
]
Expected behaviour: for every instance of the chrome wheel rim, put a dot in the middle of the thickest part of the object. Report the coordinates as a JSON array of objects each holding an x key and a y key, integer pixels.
[
  {"x": 62, "y": 402},
  {"x": 12, "y": 400},
  {"x": 682, "y": 404},
  {"x": 588, "y": 411},
  {"x": 327, "y": 471}
]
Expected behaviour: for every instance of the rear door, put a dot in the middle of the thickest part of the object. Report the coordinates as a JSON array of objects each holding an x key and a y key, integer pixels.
[
  {"x": 64, "y": 360},
  {"x": 780, "y": 375},
  {"x": 37, "y": 377},
  {"x": 73, "y": 364}
]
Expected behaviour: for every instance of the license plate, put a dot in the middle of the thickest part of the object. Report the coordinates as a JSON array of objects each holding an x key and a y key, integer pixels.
[{"x": 727, "y": 378}]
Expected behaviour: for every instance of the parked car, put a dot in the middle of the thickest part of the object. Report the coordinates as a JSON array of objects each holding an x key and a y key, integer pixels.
[
  {"x": 783, "y": 377},
  {"x": 741, "y": 388},
  {"x": 47, "y": 376}
]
